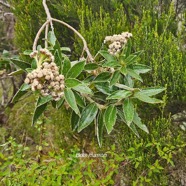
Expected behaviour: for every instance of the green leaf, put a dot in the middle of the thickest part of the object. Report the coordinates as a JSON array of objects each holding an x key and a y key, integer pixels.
[
  {"x": 53, "y": 102},
  {"x": 104, "y": 88},
  {"x": 57, "y": 50},
  {"x": 111, "y": 64},
  {"x": 21, "y": 92},
  {"x": 103, "y": 77},
  {"x": 51, "y": 38},
  {"x": 66, "y": 49},
  {"x": 115, "y": 78},
  {"x": 58, "y": 60},
  {"x": 28, "y": 70},
  {"x": 137, "y": 121},
  {"x": 33, "y": 64},
  {"x": 128, "y": 110},
  {"x": 39, "y": 47},
  {"x": 43, "y": 100},
  {"x": 133, "y": 74},
  {"x": 143, "y": 97},
  {"x": 128, "y": 48},
  {"x": 24, "y": 87},
  {"x": 119, "y": 94},
  {"x": 107, "y": 56},
  {"x": 60, "y": 103},
  {"x": 27, "y": 52},
  {"x": 123, "y": 70},
  {"x": 76, "y": 70},
  {"x": 110, "y": 118},
  {"x": 6, "y": 54},
  {"x": 18, "y": 95},
  {"x": 66, "y": 66},
  {"x": 131, "y": 126},
  {"x": 152, "y": 91},
  {"x": 88, "y": 79},
  {"x": 21, "y": 64},
  {"x": 17, "y": 72},
  {"x": 38, "y": 112},
  {"x": 91, "y": 66},
  {"x": 138, "y": 53},
  {"x": 100, "y": 127},
  {"x": 83, "y": 88},
  {"x": 128, "y": 81},
  {"x": 141, "y": 69},
  {"x": 71, "y": 82},
  {"x": 131, "y": 59},
  {"x": 71, "y": 100},
  {"x": 74, "y": 121},
  {"x": 124, "y": 87},
  {"x": 87, "y": 116},
  {"x": 79, "y": 99}
]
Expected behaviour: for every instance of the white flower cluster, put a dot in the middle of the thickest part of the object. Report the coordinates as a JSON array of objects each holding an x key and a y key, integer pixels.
[
  {"x": 46, "y": 78},
  {"x": 117, "y": 42}
]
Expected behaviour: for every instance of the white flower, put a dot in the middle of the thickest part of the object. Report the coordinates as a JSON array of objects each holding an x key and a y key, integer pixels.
[
  {"x": 62, "y": 86},
  {"x": 27, "y": 81},
  {"x": 61, "y": 77},
  {"x": 47, "y": 79}
]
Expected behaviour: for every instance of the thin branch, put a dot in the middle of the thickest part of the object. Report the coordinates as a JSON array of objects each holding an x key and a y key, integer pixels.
[
  {"x": 85, "y": 48},
  {"x": 92, "y": 101},
  {"x": 38, "y": 35},
  {"x": 46, "y": 35},
  {"x": 5, "y": 4},
  {"x": 49, "y": 18}
]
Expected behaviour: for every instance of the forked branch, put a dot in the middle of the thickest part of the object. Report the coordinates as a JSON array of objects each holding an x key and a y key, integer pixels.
[{"x": 49, "y": 21}]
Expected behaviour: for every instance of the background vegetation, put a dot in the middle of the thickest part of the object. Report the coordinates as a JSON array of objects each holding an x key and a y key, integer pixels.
[{"x": 49, "y": 149}]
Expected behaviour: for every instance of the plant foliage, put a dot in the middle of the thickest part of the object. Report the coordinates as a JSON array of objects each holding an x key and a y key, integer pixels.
[{"x": 99, "y": 92}]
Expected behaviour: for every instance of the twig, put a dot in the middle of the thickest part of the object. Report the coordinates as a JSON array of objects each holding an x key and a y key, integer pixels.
[
  {"x": 92, "y": 101},
  {"x": 5, "y": 4},
  {"x": 49, "y": 18},
  {"x": 38, "y": 35},
  {"x": 46, "y": 35},
  {"x": 85, "y": 48}
]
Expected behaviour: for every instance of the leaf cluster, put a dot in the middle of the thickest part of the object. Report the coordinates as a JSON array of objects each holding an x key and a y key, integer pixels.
[{"x": 101, "y": 92}]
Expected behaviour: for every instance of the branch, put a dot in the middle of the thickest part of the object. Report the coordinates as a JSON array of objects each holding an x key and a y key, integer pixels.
[
  {"x": 49, "y": 18},
  {"x": 46, "y": 35},
  {"x": 38, "y": 34},
  {"x": 85, "y": 48}
]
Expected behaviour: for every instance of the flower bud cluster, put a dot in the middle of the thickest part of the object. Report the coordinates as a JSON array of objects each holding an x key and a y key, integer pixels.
[
  {"x": 47, "y": 80},
  {"x": 42, "y": 55},
  {"x": 117, "y": 42}
]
